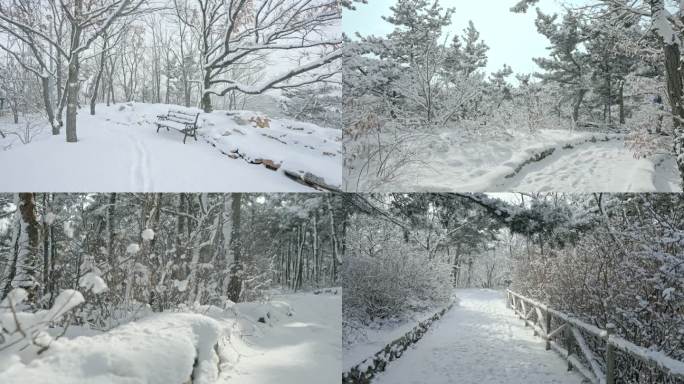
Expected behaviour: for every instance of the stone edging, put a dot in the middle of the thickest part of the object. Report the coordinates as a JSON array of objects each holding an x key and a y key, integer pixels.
[{"x": 365, "y": 371}]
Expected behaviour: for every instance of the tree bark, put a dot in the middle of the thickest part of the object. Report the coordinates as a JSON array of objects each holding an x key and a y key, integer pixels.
[
  {"x": 673, "y": 70},
  {"x": 206, "y": 97},
  {"x": 621, "y": 102},
  {"x": 45, "y": 84},
  {"x": 73, "y": 73},
  {"x": 96, "y": 86},
  {"x": 578, "y": 103},
  {"x": 235, "y": 285}
]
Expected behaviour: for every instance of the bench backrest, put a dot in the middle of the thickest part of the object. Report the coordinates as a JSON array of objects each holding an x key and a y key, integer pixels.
[{"x": 183, "y": 117}]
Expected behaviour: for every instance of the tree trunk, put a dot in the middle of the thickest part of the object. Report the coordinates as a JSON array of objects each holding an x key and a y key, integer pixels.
[
  {"x": 96, "y": 86},
  {"x": 673, "y": 69},
  {"x": 73, "y": 73},
  {"x": 621, "y": 102},
  {"x": 26, "y": 242},
  {"x": 72, "y": 99},
  {"x": 206, "y": 98},
  {"x": 578, "y": 103},
  {"x": 235, "y": 285},
  {"x": 45, "y": 83},
  {"x": 111, "y": 209},
  {"x": 46, "y": 245}
]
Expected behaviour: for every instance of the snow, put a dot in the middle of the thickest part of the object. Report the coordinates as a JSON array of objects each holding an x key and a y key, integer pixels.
[
  {"x": 120, "y": 150},
  {"x": 68, "y": 229},
  {"x": 181, "y": 285},
  {"x": 594, "y": 167},
  {"x": 300, "y": 343},
  {"x": 480, "y": 341},
  {"x": 24, "y": 333},
  {"x": 133, "y": 248},
  {"x": 93, "y": 282},
  {"x": 50, "y": 218},
  {"x": 14, "y": 297},
  {"x": 159, "y": 349},
  {"x": 377, "y": 336},
  {"x": 301, "y": 348},
  {"x": 147, "y": 234},
  {"x": 452, "y": 160}
]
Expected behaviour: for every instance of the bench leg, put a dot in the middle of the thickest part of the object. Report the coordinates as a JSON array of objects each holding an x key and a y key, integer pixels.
[
  {"x": 158, "y": 127},
  {"x": 185, "y": 136},
  {"x": 194, "y": 134}
]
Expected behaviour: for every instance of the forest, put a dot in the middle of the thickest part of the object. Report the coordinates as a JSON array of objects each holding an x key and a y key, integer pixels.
[
  {"x": 424, "y": 111},
  {"x": 600, "y": 258},
  {"x": 74, "y": 264}
]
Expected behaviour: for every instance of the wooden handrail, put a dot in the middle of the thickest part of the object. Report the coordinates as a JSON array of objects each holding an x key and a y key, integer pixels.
[{"x": 570, "y": 329}]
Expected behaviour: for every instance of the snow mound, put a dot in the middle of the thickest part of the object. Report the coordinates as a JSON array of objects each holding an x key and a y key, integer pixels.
[{"x": 161, "y": 349}]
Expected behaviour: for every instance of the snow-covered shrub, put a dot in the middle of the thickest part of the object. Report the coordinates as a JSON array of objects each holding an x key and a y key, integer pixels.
[
  {"x": 627, "y": 270},
  {"x": 317, "y": 103},
  {"x": 650, "y": 131},
  {"x": 21, "y": 331},
  {"x": 384, "y": 277}
]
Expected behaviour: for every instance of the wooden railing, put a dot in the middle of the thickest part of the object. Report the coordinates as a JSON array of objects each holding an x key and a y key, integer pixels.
[{"x": 565, "y": 334}]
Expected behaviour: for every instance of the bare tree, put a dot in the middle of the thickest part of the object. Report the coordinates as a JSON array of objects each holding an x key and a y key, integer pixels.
[
  {"x": 240, "y": 33},
  {"x": 87, "y": 21}
]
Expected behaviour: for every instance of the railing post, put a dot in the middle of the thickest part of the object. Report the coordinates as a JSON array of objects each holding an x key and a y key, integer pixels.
[
  {"x": 567, "y": 332},
  {"x": 548, "y": 330},
  {"x": 610, "y": 355}
]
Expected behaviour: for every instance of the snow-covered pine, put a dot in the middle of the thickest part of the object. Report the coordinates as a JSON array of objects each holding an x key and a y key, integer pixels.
[{"x": 420, "y": 105}]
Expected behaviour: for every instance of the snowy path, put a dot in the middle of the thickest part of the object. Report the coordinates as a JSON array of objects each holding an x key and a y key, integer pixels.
[
  {"x": 119, "y": 150},
  {"x": 480, "y": 341},
  {"x": 593, "y": 167},
  {"x": 304, "y": 348}
]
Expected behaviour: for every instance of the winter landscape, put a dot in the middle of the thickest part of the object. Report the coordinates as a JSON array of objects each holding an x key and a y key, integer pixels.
[
  {"x": 577, "y": 95},
  {"x": 170, "y": 95},
  {"x": 514, "y": 288},
  {"x": 170, "y": 288}
]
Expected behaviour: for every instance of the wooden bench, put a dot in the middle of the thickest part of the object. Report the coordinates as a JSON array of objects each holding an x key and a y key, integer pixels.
[{"x": 183, "y": 122}]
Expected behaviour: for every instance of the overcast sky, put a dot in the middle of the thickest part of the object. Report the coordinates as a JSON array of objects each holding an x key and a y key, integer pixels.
[{"x": 512, "y": 37}]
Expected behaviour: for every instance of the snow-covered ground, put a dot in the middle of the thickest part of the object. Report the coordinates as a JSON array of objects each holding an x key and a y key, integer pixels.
[
  {"x": 372, "y": 339},
  {"x": 595, "y": 167},
  {"x": 581, "y": 162},
  {"x": 479, "y": 341},
  {"x": 304, "y": 348},
  {"x": 299, "y": 342},
  {"x": 120, "y": 150}
]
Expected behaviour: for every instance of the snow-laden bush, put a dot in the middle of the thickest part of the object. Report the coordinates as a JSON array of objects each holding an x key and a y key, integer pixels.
[
  {"x": 26, "y": 331},
  {"x": 319, "y": 104},
  {"x": 628, "y": 270},
  {"x": 386, "y": 277}
]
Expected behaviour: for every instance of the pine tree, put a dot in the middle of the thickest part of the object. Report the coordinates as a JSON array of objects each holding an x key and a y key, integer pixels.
[
  {"x": 567, "y": 63},
  {"x": 418, "y": 25},
  {"x": 474, "y": 53}
]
